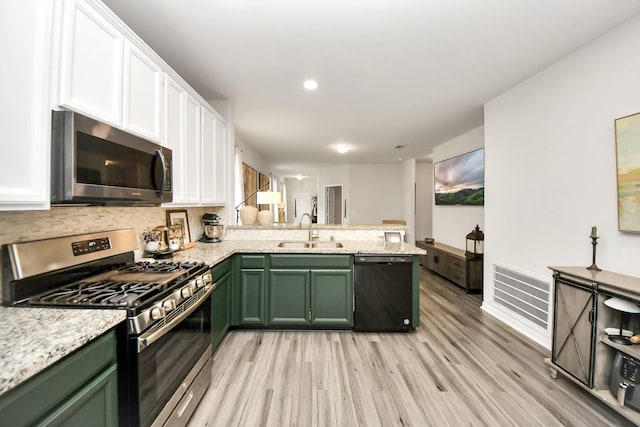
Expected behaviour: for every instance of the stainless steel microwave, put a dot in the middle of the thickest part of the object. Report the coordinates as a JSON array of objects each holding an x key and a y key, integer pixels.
[{"x": 95, "y": 163}]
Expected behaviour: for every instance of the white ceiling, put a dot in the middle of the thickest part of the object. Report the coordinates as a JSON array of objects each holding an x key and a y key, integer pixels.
[{"x": 391, "y": 72}]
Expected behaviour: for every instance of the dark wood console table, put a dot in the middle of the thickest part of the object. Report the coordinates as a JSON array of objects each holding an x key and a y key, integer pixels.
[{"x": 452, "y": 264}]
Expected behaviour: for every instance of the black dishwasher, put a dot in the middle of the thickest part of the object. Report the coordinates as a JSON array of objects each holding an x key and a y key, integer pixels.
[{"x": 383, "y": 293}]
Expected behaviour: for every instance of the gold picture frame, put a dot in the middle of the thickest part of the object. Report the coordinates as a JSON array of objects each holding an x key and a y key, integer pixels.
[
  {"x": 180, "y": 217},
  {"x": 628, "y": 172}
]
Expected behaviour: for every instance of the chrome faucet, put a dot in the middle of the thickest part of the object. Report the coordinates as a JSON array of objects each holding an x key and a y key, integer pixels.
[{"x": 310, "y": 223}]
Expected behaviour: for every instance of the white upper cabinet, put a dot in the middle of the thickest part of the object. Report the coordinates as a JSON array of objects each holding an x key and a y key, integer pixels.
[
  {"x": 221, "y": 162},
  {"x": 193, "y": 152},
  {"x": 143, "y": 82},
  {"x": 174, "y": 134},
  {"x": 24, "y": 104},
  {"x": 208, "y": 153},
  {"x": 91, "y": 64}
]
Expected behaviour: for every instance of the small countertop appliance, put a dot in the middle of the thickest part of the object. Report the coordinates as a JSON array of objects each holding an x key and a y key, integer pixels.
[{"x": 212, "y": 229}]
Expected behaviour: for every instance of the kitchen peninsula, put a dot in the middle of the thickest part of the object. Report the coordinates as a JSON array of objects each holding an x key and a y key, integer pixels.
[{"x": 255, "y": 241}]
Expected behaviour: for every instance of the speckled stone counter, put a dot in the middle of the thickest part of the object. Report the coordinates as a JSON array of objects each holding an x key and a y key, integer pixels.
[
  {"x": 35, "y": 338},
  {"x": 213, "y": 253}
]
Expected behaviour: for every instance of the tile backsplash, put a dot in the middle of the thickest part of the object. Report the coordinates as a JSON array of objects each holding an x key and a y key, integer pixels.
[{"x": 17, "y": 226}]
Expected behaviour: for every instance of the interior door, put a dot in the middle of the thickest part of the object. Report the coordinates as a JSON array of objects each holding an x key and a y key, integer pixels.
[{"x": 574, "y": 329}]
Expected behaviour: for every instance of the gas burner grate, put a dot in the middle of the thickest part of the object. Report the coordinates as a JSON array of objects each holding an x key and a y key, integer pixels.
[
  {"x": 104, "y": 294},
  {"x": 158, "y": 267}
]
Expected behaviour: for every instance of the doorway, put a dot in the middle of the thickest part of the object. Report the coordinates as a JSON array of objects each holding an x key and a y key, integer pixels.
[{"x": 333, "y": 203}]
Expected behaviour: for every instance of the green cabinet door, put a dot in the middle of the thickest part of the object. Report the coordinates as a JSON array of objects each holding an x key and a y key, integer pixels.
[
  {"x": 332, "y": 298},
  {"x": 79, "y": 390},
  {"x": 252, "y": 297},
  {"x": 289, "y": 297},
  {"x": 220, "y": 304}
]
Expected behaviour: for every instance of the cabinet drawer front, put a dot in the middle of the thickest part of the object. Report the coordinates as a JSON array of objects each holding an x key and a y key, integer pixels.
[
  {"x": 253, "y": 261},
  {"x": 312, "y": 261},
  {"x": 48, "y": 389}
]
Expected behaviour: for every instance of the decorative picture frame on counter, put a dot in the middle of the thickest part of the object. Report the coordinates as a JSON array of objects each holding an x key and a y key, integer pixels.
[
  {"x": 180, "y": 217},
  {"x": 627, "y": 167}
]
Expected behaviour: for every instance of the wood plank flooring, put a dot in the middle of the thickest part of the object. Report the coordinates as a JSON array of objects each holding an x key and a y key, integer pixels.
[{"x": 461, "y": 368}]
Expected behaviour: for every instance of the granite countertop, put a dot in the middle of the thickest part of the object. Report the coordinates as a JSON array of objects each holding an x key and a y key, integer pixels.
[
  {"x": 35, "y": 338},
  {"x": 213, "y": 253}
]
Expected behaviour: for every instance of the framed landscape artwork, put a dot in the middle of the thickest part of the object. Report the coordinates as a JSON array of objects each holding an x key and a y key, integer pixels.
[
  {"x": 628, "y": 171},
  {"x": 460, "y": 180}
]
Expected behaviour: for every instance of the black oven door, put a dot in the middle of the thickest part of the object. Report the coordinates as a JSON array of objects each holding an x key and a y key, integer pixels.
[{"x": 150, "y": 376}]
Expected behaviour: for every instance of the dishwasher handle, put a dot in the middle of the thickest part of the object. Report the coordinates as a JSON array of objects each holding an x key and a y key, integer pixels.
[{"x": 382, "y": 259}]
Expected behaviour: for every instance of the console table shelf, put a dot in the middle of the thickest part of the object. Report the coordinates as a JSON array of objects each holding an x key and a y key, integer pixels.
[
  {"x": 454, "y": 265},
  {"x": 581, "y": 350}
]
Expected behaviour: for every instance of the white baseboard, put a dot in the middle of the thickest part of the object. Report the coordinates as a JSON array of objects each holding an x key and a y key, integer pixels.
[{"x": 538, "y": 335}]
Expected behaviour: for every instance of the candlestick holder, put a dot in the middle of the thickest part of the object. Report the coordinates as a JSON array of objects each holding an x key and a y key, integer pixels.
[{"x": 593, "y": 266}]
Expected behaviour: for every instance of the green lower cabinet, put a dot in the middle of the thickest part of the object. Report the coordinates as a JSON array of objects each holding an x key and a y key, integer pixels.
[
  {"x": 220, "y": 305},
  {"x": 79, "y": 390},
  {"x": 332, "y": 298},
  {"x": 315, "y": 298},
  {"x": 252, "y": 297},
  {"x": 289, "y": 297}
]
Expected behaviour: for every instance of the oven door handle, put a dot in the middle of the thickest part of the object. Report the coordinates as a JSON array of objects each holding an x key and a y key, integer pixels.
[{"x": 146, "y": 340}]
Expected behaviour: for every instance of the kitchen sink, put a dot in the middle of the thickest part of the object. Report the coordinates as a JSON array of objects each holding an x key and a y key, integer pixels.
[
  {"x": 294, "y": 245},
  {"x": 297, "y": 244},
  {"x": 326, "y": 245}
]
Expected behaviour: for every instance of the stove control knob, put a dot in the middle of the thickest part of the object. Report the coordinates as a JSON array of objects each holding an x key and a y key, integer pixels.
[
  {"x": 199, "y": 282},
  {"x": 186, "y": 292},
  {"x": 207, "y": 278},
  {"x": 168, "y": 305},
  {"x": 157, "y": 313}
]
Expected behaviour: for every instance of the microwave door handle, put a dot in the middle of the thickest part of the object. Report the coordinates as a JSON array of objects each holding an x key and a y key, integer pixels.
[{"x": 163, "y": 164}]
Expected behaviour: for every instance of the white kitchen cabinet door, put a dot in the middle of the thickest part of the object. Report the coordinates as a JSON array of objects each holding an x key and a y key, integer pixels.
[
  {"x": 143, "y": 81},
  {"x": 24, "y": 104},
  {"x": 213, "y": 159},
  {"x": 193, "y": 149},
  {"x": 221, "y": 160},
  {"x": 208, "y": 153},
  {"x": 174, "y": 135},
  {"x": 91, "y": 69}
]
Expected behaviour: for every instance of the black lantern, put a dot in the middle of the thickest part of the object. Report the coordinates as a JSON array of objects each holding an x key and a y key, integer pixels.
[{"x": 475, "y": 243}]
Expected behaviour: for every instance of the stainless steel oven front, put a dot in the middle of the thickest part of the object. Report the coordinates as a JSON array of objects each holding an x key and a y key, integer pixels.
[{"x": 163, "y": 372}]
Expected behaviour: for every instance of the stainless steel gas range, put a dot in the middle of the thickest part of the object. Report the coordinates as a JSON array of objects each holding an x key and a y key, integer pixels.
[{"x": 164, "y": 346}]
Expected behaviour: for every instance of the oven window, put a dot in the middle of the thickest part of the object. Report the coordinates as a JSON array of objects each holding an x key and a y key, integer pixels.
[
  {"x": 101, "y": 162},
  {"x": 164, "y": 364}
]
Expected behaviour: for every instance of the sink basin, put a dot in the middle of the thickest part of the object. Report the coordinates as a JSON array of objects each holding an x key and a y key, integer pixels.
[
  {"x": 326, "y": 245},
  {"x": 294, "y": 245},
  {"x": 302, "y": 245}
]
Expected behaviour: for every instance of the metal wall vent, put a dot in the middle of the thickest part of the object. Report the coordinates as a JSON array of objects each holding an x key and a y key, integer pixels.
[{"x": 522, "y": 294}]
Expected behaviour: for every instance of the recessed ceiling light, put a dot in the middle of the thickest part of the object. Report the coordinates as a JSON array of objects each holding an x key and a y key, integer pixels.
[
  {"x": 299, "y": 177},
  {"x": 342, "y": 149},
  {"x": 310, "y": 85}
]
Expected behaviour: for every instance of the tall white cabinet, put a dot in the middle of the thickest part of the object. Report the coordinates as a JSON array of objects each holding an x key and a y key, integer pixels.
[{"x": 24, "y": 104}]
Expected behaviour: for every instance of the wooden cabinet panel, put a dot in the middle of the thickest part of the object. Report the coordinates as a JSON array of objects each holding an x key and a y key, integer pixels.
[
  {"x": 79, "y": 390},
  {"x": 91, "y": 64},
  {"x": 220, "y": 309},
  {"x": 252, "y": 291},
  {"x": 452, "y": 264},
  {"x": 143, "y": 82},
  {"x": 289, "y": 297},
  {"x": 574, "y": 332},
  {"x": 332, "y": 298}
]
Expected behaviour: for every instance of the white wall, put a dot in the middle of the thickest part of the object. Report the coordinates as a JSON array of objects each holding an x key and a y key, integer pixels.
[
  {"x": 408, "y": 185},
  {"x": 424, "y": 200},
  {"x": 376, "y": 193},
  {"x": 551, "y": 165},
  {"x": 452, "y": 223}
]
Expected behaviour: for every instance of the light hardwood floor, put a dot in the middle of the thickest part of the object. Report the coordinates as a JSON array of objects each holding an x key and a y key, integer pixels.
[{"x": 461, "y": 368}]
